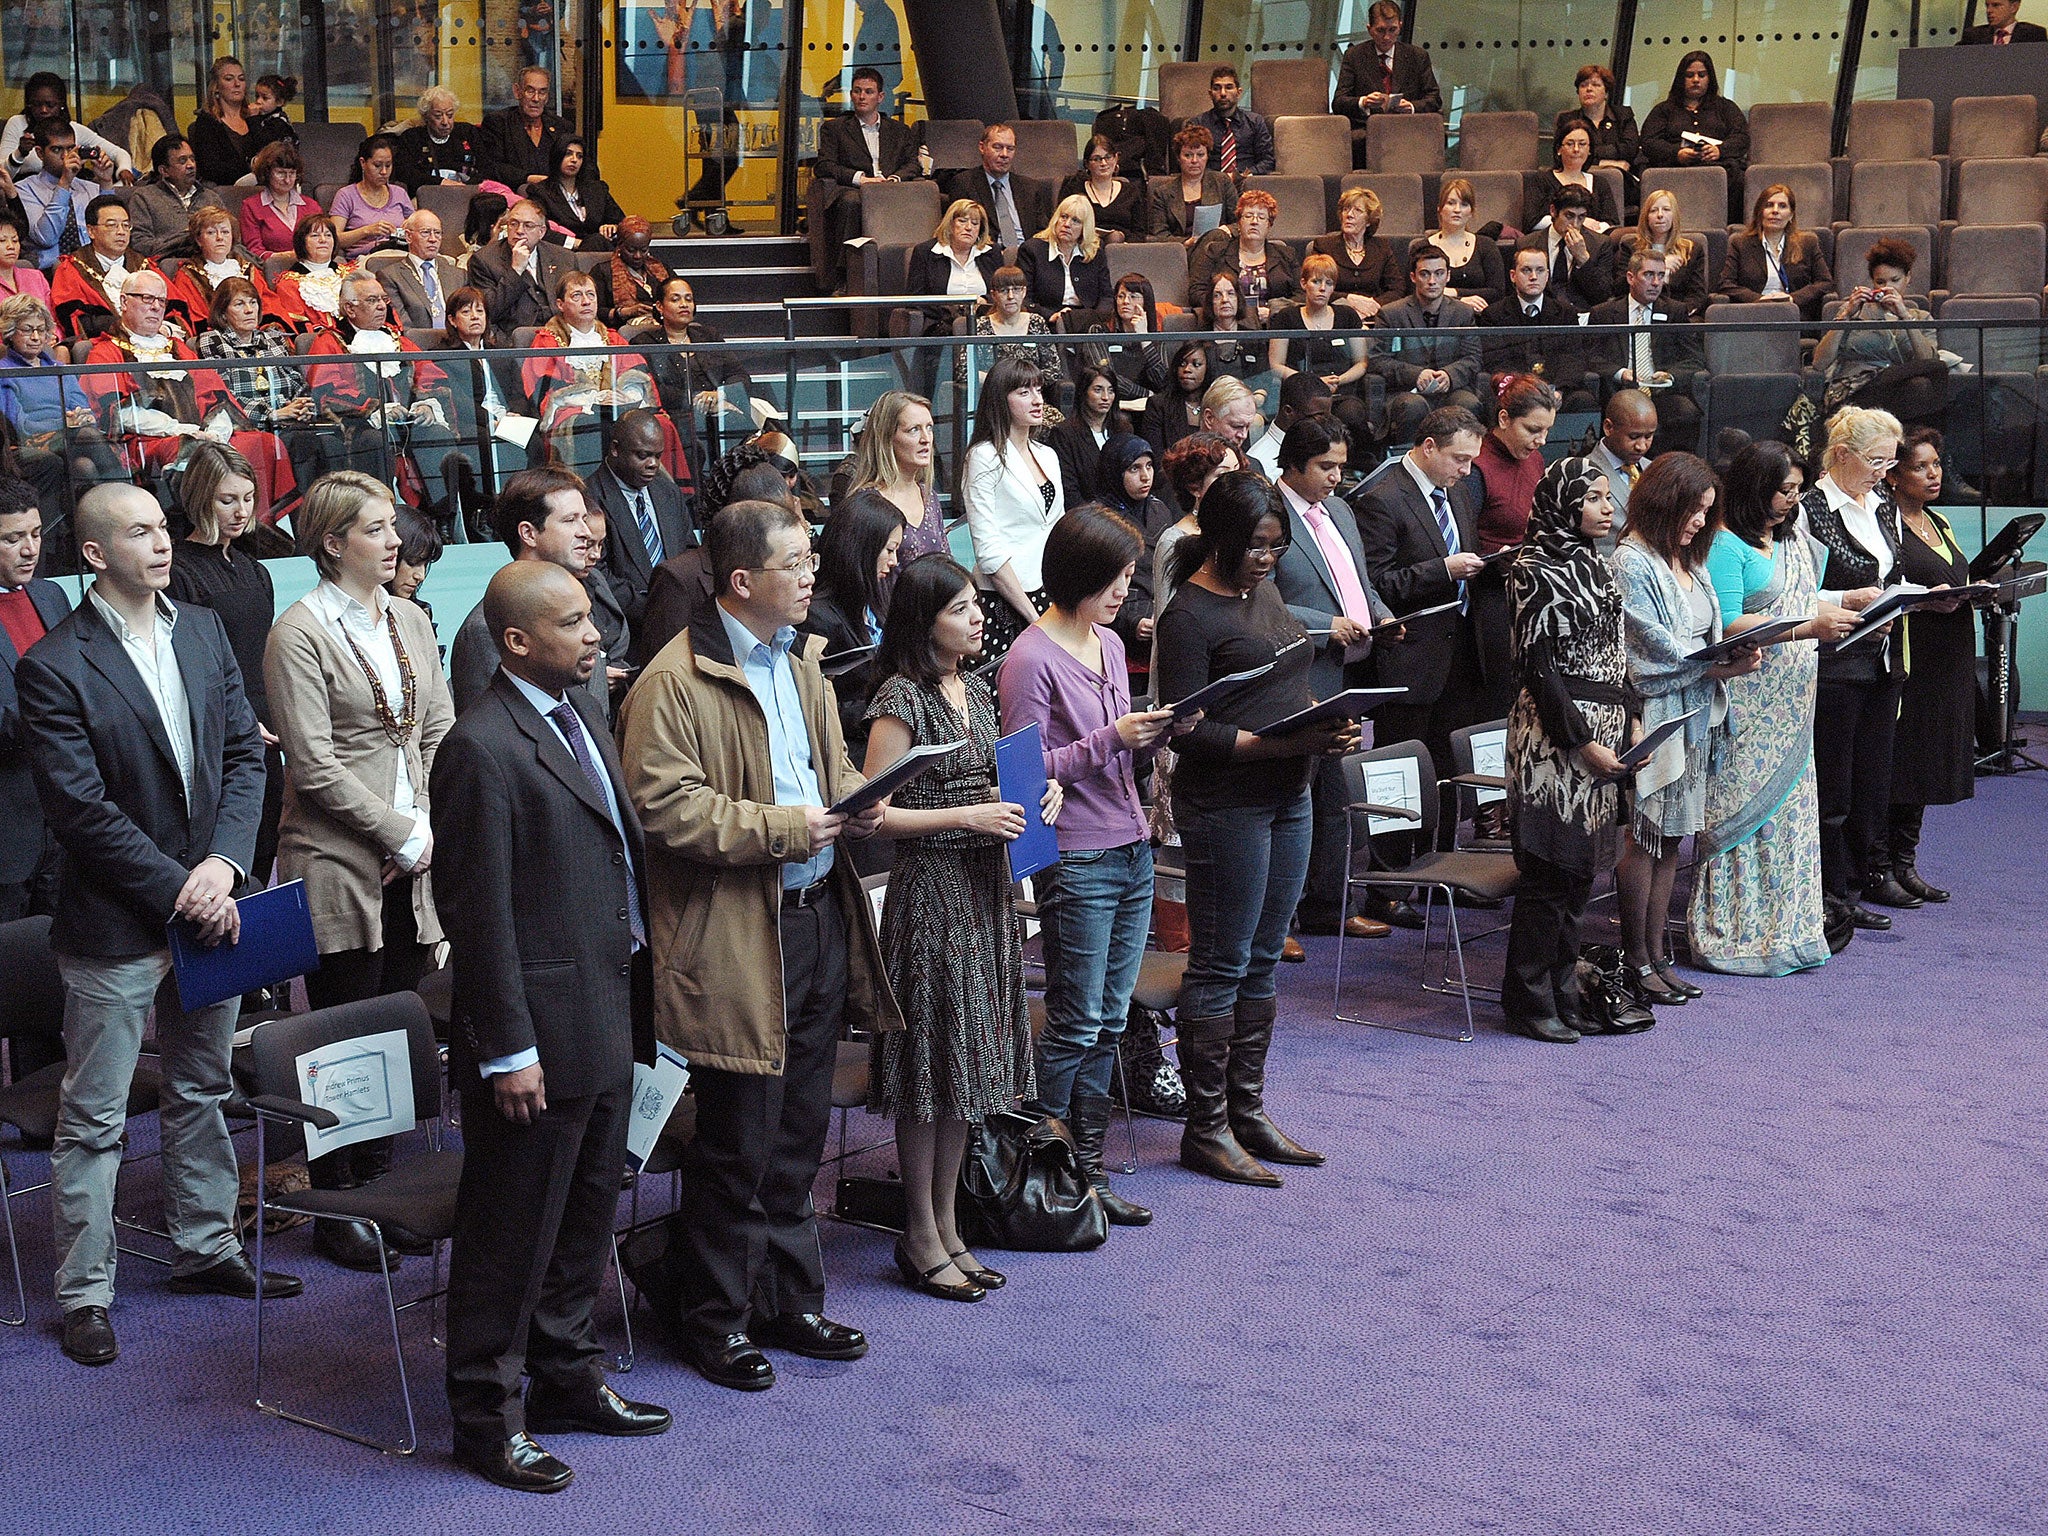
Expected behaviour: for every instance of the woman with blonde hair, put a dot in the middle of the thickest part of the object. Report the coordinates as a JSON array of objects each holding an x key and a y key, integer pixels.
[
  {"x": 1064, "y": 273},
  {"x": 893, "y": 460},
  {"x": 1266, "y": 269},
  {"x": 1367, "y": 272},
  {"x": 1685, "y": 259},
  {"x": 360, "y": 705},
  {"x": 220, "y": 131}
]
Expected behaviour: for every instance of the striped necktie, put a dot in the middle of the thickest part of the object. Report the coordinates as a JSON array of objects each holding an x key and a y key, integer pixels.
[{"x": 1440, "y": 503}]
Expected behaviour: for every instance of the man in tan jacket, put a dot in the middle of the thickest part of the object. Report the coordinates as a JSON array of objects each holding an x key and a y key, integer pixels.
[{"x": 763, "y": 944}]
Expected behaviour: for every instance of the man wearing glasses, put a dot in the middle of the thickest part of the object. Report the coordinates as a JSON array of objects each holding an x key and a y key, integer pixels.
[{"x": 764, "y": 947}]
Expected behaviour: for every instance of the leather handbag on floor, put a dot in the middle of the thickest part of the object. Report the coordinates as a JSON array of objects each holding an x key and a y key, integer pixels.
[{"x": 1022, "y": 1188}]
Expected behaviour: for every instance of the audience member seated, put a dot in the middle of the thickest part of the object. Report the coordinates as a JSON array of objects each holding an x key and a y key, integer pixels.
[
  {"x": 518, "y": 141},
  {"x": 1066, "y": 278},
  {"x": 418, "y": 287},
  {"x": 646, "y": 513},
  {"x": 960, "y": 262},
  {"x": 162, "y": 204},
  {"x": 582, "y": 213},
  {"x": 857, "y": 146},
  {"x": 519, "y": 271},
  {"x": 636, "y": 277},
  {"x": 1140, "y": 364},
  {"x": 371, "y": 211},
  {"x": 1580, "y": 258},
  {"x": 1122, "y": 208},
  {"x": 212, "y": 236},
  {"x": 1243, "y": 139},
  {"x": 308, "y": 292},
  {"x": 1509, "y": 348},
  {"x": 1220, "y": 307},
  {"x": 257, "y": 368},
  {"x": 1617, "y": 145},
  {"x": 1334, "y": 348},
  {"x": 1011, "y": 205},
  {"x": 483, "y": 391},
  {"x": 16, "y": 279},
  {"x": 55, "y": 199},
  {"x": 1660, "y": 356},
  {"x": 1574, "y": 156},
  {"x": 1367, "y": 274},
  {"x": 150, "y": 414},
  {"x": 1435, "y": 365},
  {"x": 1383, "y": 74},
  {"x": 1476, "y": 276},
  {"x": 438, "y": 148},
  {"x": 85, "y": 290},
  {"x": 1896, "y": 368},
  {"x": 1685, "y": 259},
  {"x": 2001, "y": 26},
  {"x": 1775, "y": 259},
  {"x": 1266, "y": 269},
  {"x": 1696, "y": 125},
  {"x": 1176, "y": 199},
  {"x": 1006, "y": 315},
  {"x": 58, "y": 448},
  {"x": 272, "y": 214},
  {"x": 221, "y": 129},
  {"x": 268, "y": 124},
  {"x": 1077, "y": 441},
  {"x": 589, "y": 382},
  {"x": 1175, "y": 409},
  {"x": 688, "y": 385},
  {"x": 46, "y": 104}
]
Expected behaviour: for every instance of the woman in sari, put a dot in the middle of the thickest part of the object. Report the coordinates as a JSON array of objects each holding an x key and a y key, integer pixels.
[{"x": 1756, "y": 894}]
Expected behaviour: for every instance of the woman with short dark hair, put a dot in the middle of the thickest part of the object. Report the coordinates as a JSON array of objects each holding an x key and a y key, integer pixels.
[
  {"x": 1897, "y": 368},
  {"x": 1122, "y": 208},
  {"x": 1616, "y": 141},
  {"x": 1177, "y": 199},
  {"x": 372, "y": 209}
]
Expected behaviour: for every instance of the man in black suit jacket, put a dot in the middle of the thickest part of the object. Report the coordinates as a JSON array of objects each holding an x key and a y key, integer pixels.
[
  {"x": 30, "y": 607},
  {"x": 2000, "y": 27},
  {"x": 1665, "y": 346},
  {"x": 541, "y": 873},
  {"x": 640, "y": 501},
  {"x": 517, "y": 272},
  {"x": 1581, "y": 260},
  {"x": 1435, "y": 361},
  {"x": 1403, "y": 512},
  {"x": 149, "y": 765},
  {"x": 847, "y": 158},
  {"x": 1028, "y": 208},
  {"x": 1560, "y": 359},
  {"x": 518, "y": 142},
  {"x": 1376, "y": 73}
]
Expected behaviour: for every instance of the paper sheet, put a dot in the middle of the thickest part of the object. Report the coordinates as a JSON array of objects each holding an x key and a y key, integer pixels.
[{"x": 366, "y": 1081}]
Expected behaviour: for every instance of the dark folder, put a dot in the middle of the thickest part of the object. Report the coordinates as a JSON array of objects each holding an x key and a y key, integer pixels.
[{"x": 276, "y": 945}]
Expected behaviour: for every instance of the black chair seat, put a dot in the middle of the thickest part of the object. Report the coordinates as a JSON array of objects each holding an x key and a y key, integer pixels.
[
  {"x": 418, "y": 1194},
  {"x": 1160, "y": 975},
  {"x": 850, "y": 1075},
  {"x": 30, "y": 1105},
  {"x": 1468, "y": 871},
  {"x": 437, "y": 991}
]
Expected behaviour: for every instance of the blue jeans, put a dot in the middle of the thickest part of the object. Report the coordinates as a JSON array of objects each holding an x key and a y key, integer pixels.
[
  {"x": 1094, "y": 910},
  {"x": 1245, "y": 867}
]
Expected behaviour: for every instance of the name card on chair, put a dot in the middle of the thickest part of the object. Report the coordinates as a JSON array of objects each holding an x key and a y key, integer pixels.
[
  {"x": 656, "y": 1092},
  {"x": 367, "y": 1084}
]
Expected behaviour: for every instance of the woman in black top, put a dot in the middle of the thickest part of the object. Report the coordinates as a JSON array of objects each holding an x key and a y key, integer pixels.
[
  {"x": 1574, "y": 160},
  {"x": 1477, "y": 277},
  {"x": 1241, "y": 803},
  {"x": 1934, "y": 757},
  {"x": 1616, "y": 143},
  {"x": 856, "y": 558},
  {"x": 578, "y": 202},
  {"x": 1126, "y": 475},
  {"x": 222, "y": 140},
  {"x": 1122, "y": 208},
  {"x": 1696, "y": 106},
  {"x": 1221, "y": 307},
  {"x": 1176, "y": 410},
  {"x": 1140, "y": 365},
  {"x": 1367, "y": 273},
  {"x": 1775, "y": 259},
  {"x": 217, "y": 494},
  {"x": 1077, "y": 441}
]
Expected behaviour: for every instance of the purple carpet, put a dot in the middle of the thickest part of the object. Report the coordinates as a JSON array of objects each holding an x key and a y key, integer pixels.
[{"x": 1774, "y": 1266}]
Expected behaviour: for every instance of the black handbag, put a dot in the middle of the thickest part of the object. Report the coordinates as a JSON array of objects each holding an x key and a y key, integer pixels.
[{"x": 1021, "y": 1188}]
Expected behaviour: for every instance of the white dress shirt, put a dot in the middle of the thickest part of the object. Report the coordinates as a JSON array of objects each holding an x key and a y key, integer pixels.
[
  {"x": 157, "y": 660},
  {"x": 349, "y": 620}
]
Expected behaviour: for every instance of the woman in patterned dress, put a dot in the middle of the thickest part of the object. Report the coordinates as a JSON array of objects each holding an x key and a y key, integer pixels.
[
  {"x": 1756, "y": 894},
  {"x": 949, "y": 935}
]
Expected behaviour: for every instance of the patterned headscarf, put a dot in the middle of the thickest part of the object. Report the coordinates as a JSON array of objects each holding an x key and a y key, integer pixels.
[
  {"x": 1555, "y": 513},
  {"x": 1560, "y": 591}
]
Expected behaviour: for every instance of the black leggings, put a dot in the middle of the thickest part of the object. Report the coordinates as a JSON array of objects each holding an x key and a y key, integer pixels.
[
  {"x": 1541, "y": 981},
  {"x": 1854, "y": 724}
]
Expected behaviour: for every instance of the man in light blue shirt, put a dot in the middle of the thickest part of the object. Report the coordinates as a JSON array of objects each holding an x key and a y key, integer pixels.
[{"x": 765, "y": 665}]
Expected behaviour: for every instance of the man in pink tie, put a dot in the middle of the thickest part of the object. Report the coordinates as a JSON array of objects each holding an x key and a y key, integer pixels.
[
  {"x": 1322, "y": 577},
  {"x": 2002, "y": 25}
]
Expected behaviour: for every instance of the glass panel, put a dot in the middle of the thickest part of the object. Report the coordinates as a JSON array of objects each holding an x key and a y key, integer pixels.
[
  {"x": 1892, "y": 26},
  {"x": 1763, "y": 50},
  {"x": 1074, "y": 57},
  {"x": 1505, "y": 56}
]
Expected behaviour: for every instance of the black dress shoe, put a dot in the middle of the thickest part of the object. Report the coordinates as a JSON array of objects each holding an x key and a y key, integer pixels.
[
  {"x": 352, "y": 1245},
  {"x": 995, "y": 1279},
  {"x": 1890, "y": 893},
  {"x": 921, "y": 1279},
  {"x": 520, "y": 1463},
  {"x": 811, "y": 1334},
  {"x": 1862, "y": 917},
  {"x": 730, "y": 1360},
  {"x": 89, "y": 1336},
  {"x": 398, "y": 1240},
  {"x": 1649, "y": 989},
  {"x": 236, "y": 1276},
  {"x": 1553, "y": 1031},
  {"x": 1909, "y": 877},
  {"x": 602, "y": 1412},
  {"x": 1675, "y": 982},
  {"x": 1400, "y": 914}
]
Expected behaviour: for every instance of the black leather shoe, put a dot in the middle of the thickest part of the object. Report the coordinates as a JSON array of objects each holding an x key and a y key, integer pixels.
[
  {"x": 1554, "y": 1031},
  {"x": 89, "y": 1336},
  {"x": 602, "y": 1412},
  {"x": 994, "y": 1279},
  {"x": 1675, "y": 982},
  {"x": 236, "y": 1276},
  {"x": 1649, "y": 989},
  {"x": 1890, "y": 893},
  {"x": 730, "y": 1360},
  {"x": 811, "y": 1334},
  {"x": 921, "y": 1279},
  {"x": 398, "y": 1240},
  {"x": 1401, "y": 914},
  {"x": 1909, "y": 878},
  {"x": 352, "y": 1245},
  {"x": 1862, "y": 917},
  {"x": 520, "y": 1463}
]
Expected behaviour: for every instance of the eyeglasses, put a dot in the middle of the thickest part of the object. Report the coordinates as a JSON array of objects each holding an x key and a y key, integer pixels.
[
  {"x": 1880, "y": 465},
  {"x": 808, "y": 565},
  {"x": 1275, "y": 550}
]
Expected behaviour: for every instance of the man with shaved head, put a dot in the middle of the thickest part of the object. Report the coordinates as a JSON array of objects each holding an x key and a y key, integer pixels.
[
  {"x": 1628, "y": 429},
  {"x": 149, "y": 765},
  {"x": 540, "y": 877}
]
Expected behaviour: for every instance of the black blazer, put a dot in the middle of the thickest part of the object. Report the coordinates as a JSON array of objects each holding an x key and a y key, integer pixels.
[
  {"x": 1377, "y": 275},
  {"x": 1717, "y": 118},
  {"x": 1561, "y": 358},
  {"x": 1404, "y": 554},
  {"x": 109, "y": 785},
  {"x": 513, "y": 299},
  {"x": 510, "y": 156},
  {"x": 1129, "y": 213},
  {"x": 627, "y": 563},
  {"x": 1168, "y": 219},
  {"x": 420, "y": 160},
  {"x": 1685, "y": 287},
  {"x": 21, "y": 825},
  {"x": 1359, "y": 75},
  {"x": 530, "y": 879},
  {"x": 1033, "y": 200},
  {"x": 1614, "y": 138},
  {"x": 1540, "y": 186},
  {"x": 599, "y": 209},
  {"x": 1675, "y": 346},
  {"x": 929, "y": 268},
  {"x": 2022, "y": 32},
  {"x": 843, "y": 150},
  {"x": 1045, "y": 292},
  {"x": 1807, "y": 278},
  {"x": 1592, "y": 280},
  {"x": 1453, "y": 344}
]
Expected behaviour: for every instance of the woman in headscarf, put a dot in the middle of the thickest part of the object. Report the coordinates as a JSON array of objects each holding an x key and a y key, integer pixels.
[
  {"x": 1125, "y": 477},
  {"x": 1569, "y": 722}
]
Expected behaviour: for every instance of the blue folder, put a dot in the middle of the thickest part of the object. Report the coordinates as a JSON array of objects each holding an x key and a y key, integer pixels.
[
  {"x": 1020, "y": 779},
  {"x": 276, "y": 945}
]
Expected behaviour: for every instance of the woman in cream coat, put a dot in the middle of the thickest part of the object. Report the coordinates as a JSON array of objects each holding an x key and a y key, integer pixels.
[{"x": 1011, "y": 485}]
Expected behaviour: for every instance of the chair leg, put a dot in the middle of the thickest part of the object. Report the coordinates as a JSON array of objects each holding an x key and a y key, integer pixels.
[
  {"x": 1123, "y": 1084},
  {"x": 622, "y": 1363},
  {"x": 1457, "y": 946},
  {"x": 13, "y": 1250}
]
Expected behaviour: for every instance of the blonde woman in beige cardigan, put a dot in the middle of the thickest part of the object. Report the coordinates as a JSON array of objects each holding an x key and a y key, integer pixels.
[{"x": 359, "y": 703}]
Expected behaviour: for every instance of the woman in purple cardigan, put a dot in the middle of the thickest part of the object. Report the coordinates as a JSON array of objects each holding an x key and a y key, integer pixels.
[{"x": 1066, "y": 674}]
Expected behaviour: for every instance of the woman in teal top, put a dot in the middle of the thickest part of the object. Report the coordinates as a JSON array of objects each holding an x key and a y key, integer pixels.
[{"x": 1756, "y": 895}]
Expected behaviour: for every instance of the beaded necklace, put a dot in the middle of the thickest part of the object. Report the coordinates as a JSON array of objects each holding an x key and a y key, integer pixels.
[{"x": 397, "y": 728}]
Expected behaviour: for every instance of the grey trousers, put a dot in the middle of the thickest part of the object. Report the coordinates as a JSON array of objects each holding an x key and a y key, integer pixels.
[{"x": 106, "y": 1003}]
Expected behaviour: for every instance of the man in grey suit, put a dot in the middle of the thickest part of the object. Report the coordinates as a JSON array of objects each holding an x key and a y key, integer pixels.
[
  {"x": 1627, "y": 429},
  {"x": 1436, "y": 365},
  {"x": 30, "y": 607},
  {"x": 149, "y": 765},
  {"x": 162, "y": 204},
  {"x": 1323, "y": 579},
  {"x": 646, "y": 513},
  {"x": 418, "y": 286},
  {"x": 518, "y": 271}
]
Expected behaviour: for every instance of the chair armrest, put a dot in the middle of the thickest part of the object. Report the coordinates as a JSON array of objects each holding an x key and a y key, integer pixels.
[
  {"x": 275, "y": 1106},
  {"x": 1481, "y": 780},
  {"x": 1370, "y": 809}
]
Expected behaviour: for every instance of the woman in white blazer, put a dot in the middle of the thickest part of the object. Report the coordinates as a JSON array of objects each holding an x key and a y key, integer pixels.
[{"x": 1011, "y": 485}]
